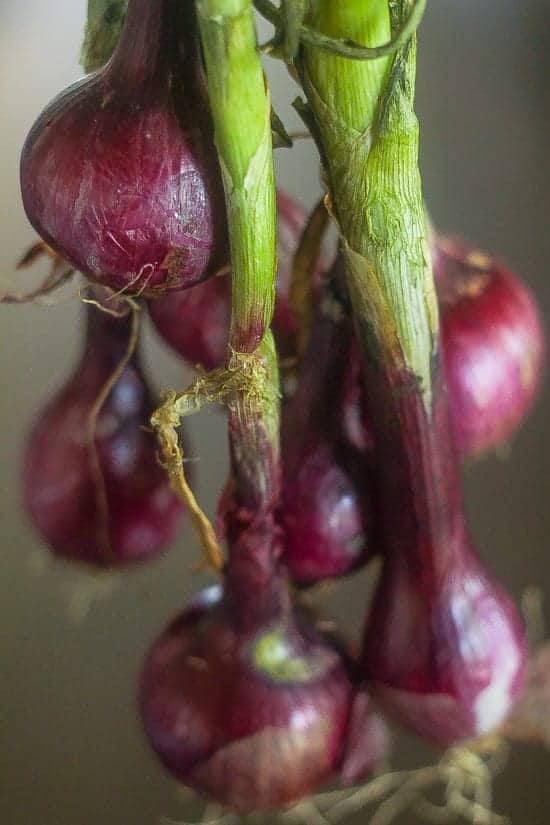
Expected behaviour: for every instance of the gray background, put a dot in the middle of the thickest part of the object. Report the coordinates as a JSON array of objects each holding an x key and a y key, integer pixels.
[{"x": 71, "y": 752}]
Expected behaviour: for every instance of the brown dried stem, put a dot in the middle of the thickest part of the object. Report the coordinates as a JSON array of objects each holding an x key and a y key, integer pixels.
[
  {"x": 102, "y": 503},
  {"x": 244, "y": 380},
  {"x": 60, "y": 273}
]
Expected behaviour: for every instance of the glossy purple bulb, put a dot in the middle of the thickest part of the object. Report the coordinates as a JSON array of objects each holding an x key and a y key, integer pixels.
[
  {"x": 445, "y": 655},
  {"x": 325, "y": 512},
  {"x": 325, "y": 508},
  {"x": 119, "y": 174},
  {"x": 128, "y": 512},
  {"x": 493, "y": 346},
  {"x": 253, "y": 716}
]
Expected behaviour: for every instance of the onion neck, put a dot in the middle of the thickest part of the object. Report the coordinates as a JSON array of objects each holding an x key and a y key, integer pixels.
[
  {"x": 104, "y": 22},
  {"x": 316, "y": 406},
  {"x": 417, "y": 483},
  {"x": 147, "y": 43},
  {"x": 256, "y": 585}
]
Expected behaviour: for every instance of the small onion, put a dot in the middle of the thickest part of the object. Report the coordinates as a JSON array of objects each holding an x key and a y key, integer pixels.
[
  {"x": 445, "y": 657},
  {"x": 325, "y": 497},
  {"x": 444, "y": 648},
  {"x": 119, "y": 174},
  {"x": 492, "y": 340},
  {"x": 195, "y": 322},
  {"x": 251, "y": 712},
  {"x": 103, "y": 501}
]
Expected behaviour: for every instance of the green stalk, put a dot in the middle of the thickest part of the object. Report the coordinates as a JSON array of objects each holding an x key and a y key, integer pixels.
[
  {"x": 240, "y": 108},
  {"x": 241, "y": 112},
  {"x": 103, "y": 26},
  {"x": 368, "y": 135},
  {"x": 369, "y": 139}
]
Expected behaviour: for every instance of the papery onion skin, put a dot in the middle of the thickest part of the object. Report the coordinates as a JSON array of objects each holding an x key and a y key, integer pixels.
[
  {"x": 446, "y": 661},
  {"x": 368, "y": 741},
  {"x": 325, "y": 514},
  {"x": 195, "y": 322},
  {"x": 254, "y": 719},
  {"x": 493, "y": 346},
  {"x": 326, "y": 489},
  {"x": 119, "y": 174},
  {"x": 59, "y": 484}
]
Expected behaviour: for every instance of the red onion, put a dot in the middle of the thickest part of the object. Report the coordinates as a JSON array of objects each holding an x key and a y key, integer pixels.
[
  {"x": 195, "y": 322},
  {"x": 493, "y": 346},
  {"x": 444, "y": 648},
  {"x": 245, "y": 702},
  {"x": 119, "y": 173},
  {"x": 111, "y": 505},
  {"x": 492, "y": 341},
  {"x": 325, "y": 514},
  {"x": 325, "y": 499},
  {"x": 447, "y": 657}
]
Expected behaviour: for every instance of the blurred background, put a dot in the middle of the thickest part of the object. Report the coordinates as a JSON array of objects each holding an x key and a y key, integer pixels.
[{"x": 71, "y": 750}]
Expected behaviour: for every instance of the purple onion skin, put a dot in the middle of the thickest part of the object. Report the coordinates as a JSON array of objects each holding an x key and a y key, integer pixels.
[
  {"x": 119, "y": 174},
  {"x": 58, "y": 484},
  {"x": 252, "y": 716},
  {"x": 195, "y": 322},
  {"x": 325, "y": 498},
  {"x": 325, "y": 514},
  {"x": 493, "y": 346},
  {"x": 447, "y": 659},
  {"x": 444, "y": 648}
]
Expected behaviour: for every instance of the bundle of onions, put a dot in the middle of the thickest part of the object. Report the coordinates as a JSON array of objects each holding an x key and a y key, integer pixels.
[{"x": 243, "y": 698}]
